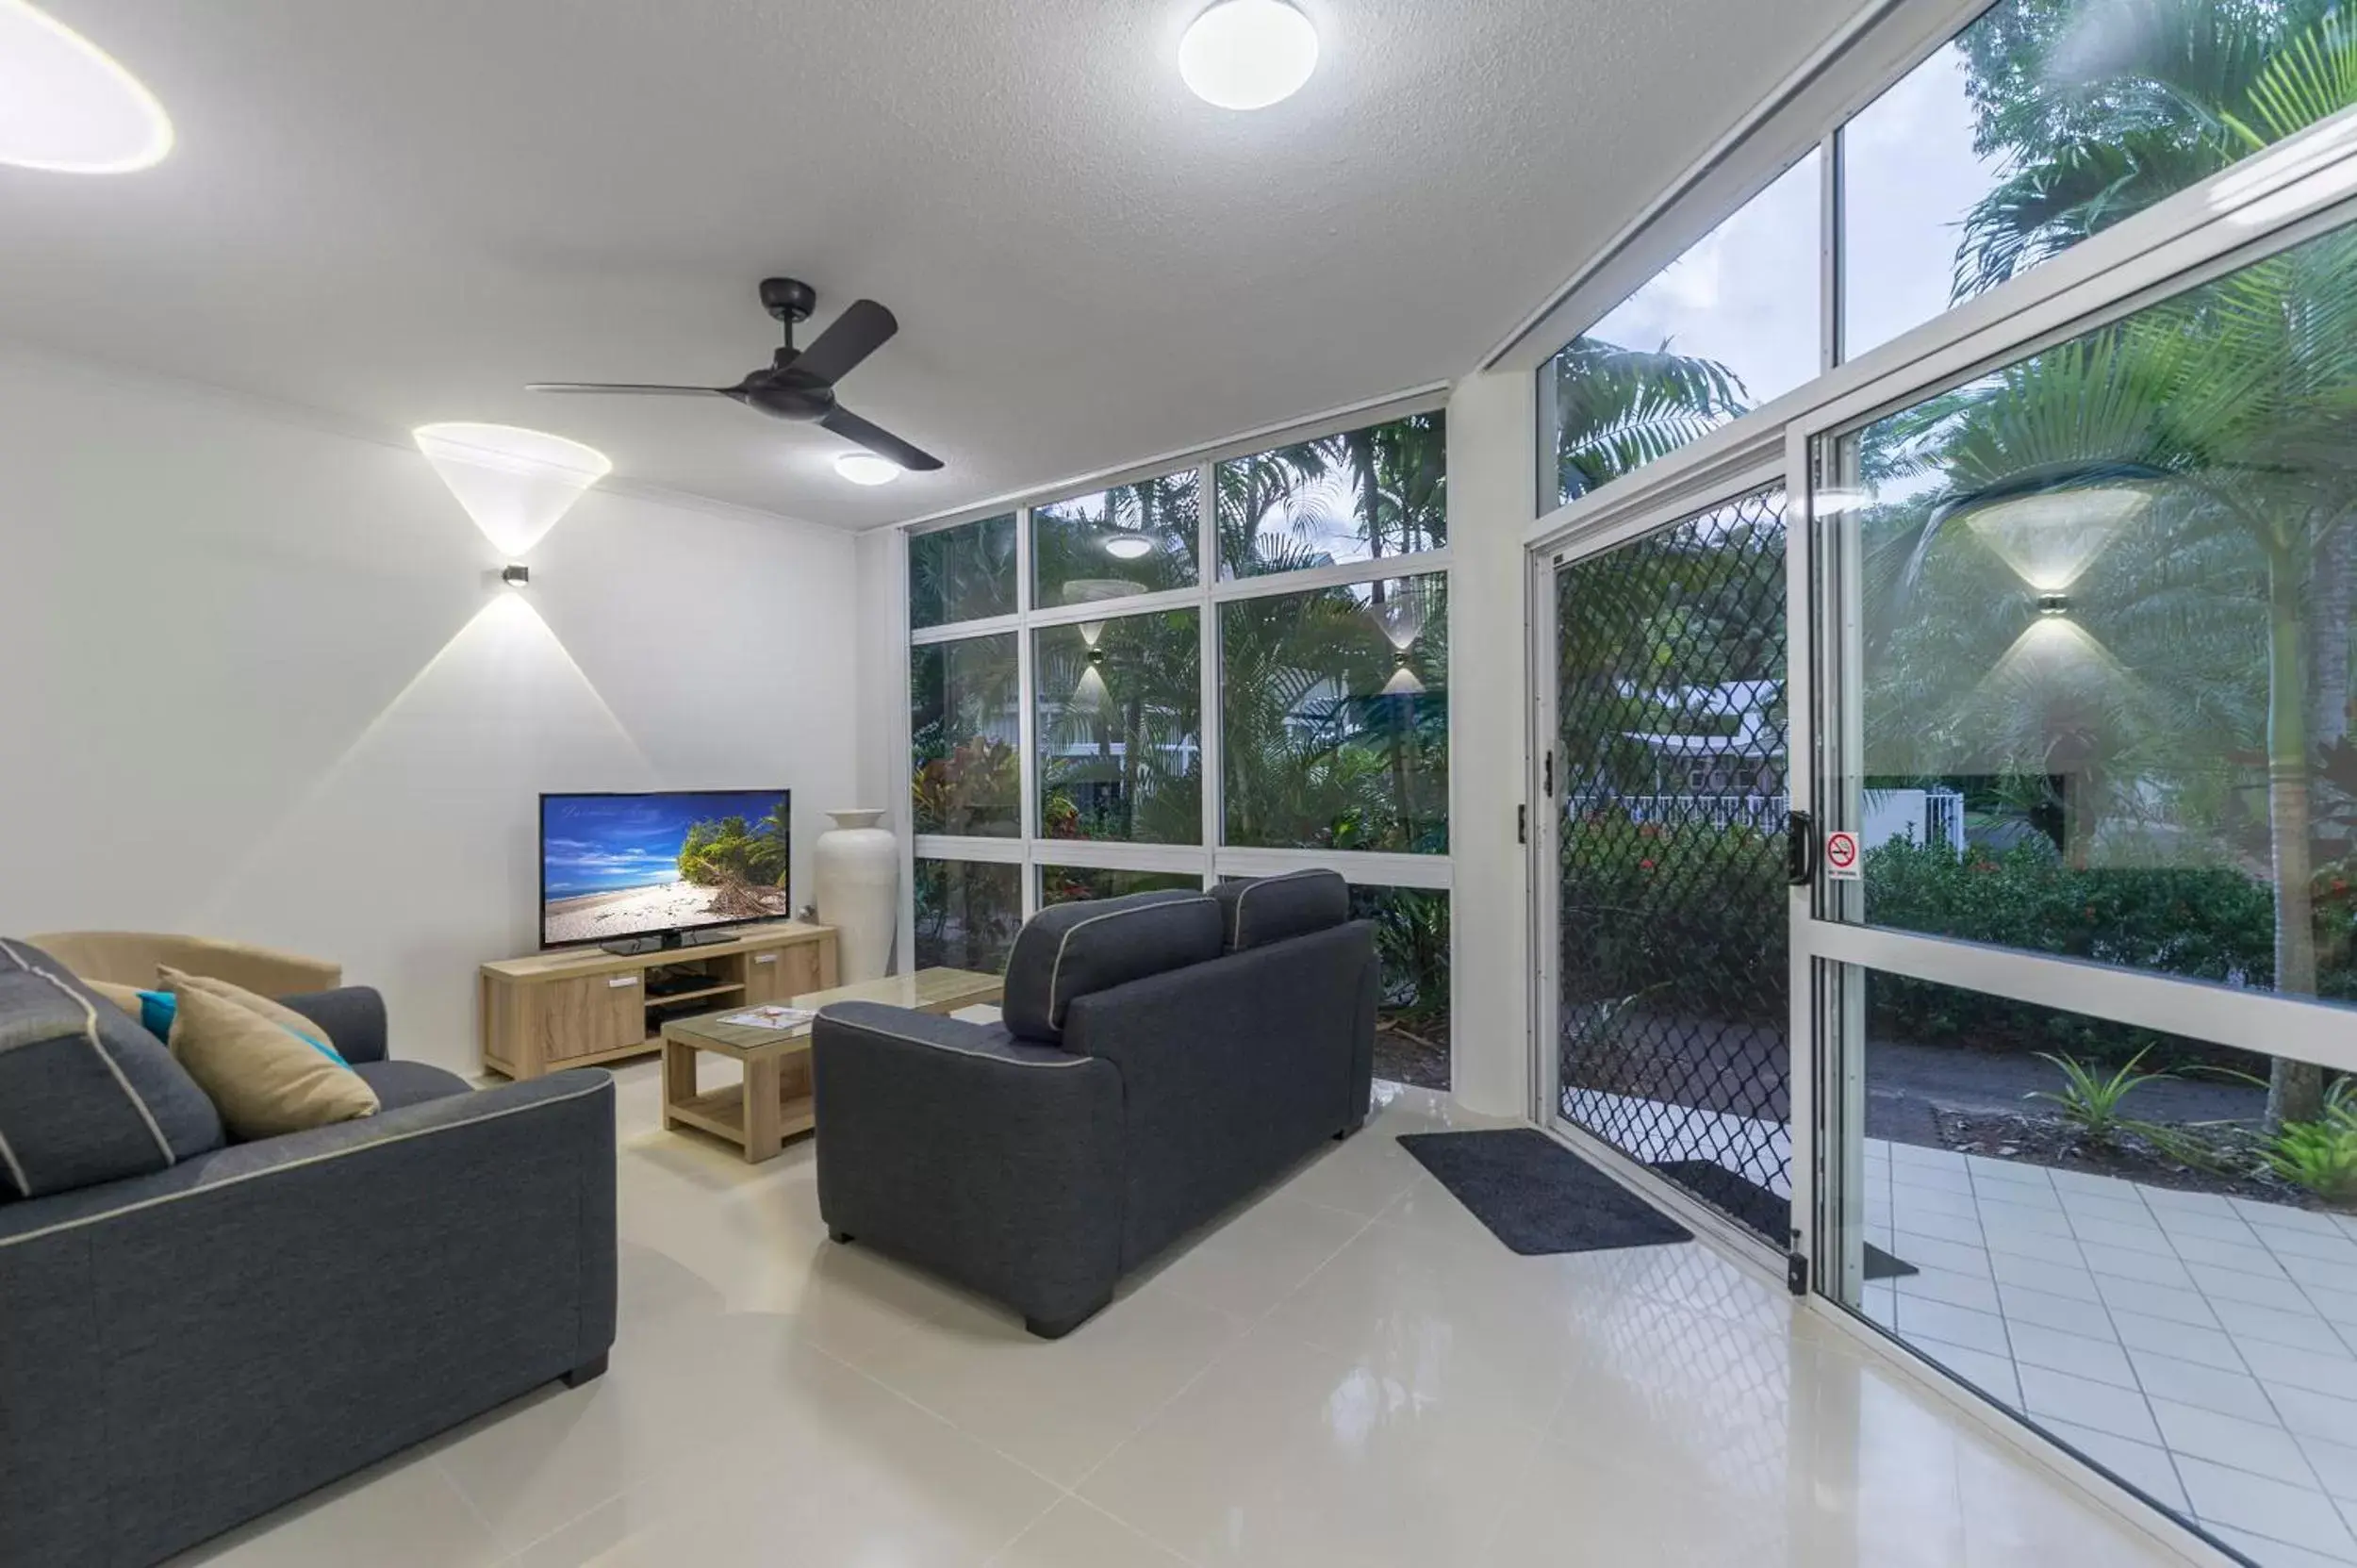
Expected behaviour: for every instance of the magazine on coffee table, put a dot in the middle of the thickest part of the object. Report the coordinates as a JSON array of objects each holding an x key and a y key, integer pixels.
[{"x": 779, "y": 1018}]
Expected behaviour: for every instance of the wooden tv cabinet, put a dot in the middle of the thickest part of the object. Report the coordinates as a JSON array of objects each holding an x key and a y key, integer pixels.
[{"x": 578, "y": 1007}]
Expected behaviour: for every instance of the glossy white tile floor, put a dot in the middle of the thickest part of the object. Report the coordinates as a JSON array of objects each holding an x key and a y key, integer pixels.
[{"x": 1350, "y": 1371}]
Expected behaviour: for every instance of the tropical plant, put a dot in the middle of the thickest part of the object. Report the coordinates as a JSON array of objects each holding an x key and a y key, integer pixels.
[
  {"x": 2103, "y": 110},
  {"x": 1619, "y": 408},
  {"x": 2237, "y": 400},
  {"x": 962, "y": 574},
  {"x": 2091, "y": 1102},
  {"x": 1385, "y": 487},
  {"x": 2320, "y": 1155},
  {"x": 1333, "y": 737},
  {"x": 1119, "y": 729}
]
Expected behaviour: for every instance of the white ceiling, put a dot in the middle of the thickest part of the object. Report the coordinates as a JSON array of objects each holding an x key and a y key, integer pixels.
[{"x": 401, "y": 212}]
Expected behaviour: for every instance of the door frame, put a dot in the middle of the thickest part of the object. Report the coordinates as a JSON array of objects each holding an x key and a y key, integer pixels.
[{"x": 1590, "y": 529}]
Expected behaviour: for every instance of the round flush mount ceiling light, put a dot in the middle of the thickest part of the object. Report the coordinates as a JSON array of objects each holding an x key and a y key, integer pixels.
[
  {"x": 1128, "y": 547},
  {"x": 1247, "y": 54},
  {"x": 67, "y": 106},
  {"x": 865, "y": 467}
]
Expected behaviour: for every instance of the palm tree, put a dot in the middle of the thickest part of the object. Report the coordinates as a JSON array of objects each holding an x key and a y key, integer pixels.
[
  {"x": 1618, "y": 409},
  {"x": 2106, "y": 112},
  {"x": 2108, "y": 108},
  {"x": 2240, "y": 399}
]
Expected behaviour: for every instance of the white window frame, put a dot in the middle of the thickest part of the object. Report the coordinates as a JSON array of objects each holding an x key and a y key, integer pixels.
[{"x": 1212, "y": 859}]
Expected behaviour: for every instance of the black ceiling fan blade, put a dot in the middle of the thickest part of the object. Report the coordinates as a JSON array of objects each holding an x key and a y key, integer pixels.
[
  {"x": 626, "y": 387},
  {"x": 863, "y": 328},
  {"x": 883, "y": 443}
]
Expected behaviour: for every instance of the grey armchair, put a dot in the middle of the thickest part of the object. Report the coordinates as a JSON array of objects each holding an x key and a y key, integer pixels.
[{"x": 1160, "y": 1057}]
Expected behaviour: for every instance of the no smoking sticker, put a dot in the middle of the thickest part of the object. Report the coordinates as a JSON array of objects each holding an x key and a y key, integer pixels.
[{"x": 1841, "y": 857}]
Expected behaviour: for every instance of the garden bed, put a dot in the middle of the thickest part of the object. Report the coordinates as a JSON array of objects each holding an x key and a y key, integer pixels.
[
  {"x": 1417, "y": 1057},
  {"x": 2051, "y": 1141}
]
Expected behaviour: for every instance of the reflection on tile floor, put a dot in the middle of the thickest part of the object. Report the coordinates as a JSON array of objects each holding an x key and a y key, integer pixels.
[
  {"x": 2203, "y": 1348},
  {"x": 1350, "y": 1371}
]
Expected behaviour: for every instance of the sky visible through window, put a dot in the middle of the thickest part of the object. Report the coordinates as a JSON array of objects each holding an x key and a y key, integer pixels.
[
  {"x": 1909, "y": 175},
  {"x": 1745, "y": 294}
]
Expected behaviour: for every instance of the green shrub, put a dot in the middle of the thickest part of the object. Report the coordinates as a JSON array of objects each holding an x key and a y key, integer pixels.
[
  {"x": 2320, "y": 1156},
  {"x": 1691, "y": 913}
]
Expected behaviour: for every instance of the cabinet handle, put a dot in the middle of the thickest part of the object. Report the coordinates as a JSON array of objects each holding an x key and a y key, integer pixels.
[
  {"x": 617, "y": 981},
  {"x": 765, "y": 958}
]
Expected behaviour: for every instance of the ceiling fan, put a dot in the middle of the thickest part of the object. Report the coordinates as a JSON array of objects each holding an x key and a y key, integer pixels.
[{"x": 799, "y": 384}]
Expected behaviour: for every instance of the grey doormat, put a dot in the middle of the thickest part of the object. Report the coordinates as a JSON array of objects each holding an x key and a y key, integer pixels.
[
  {"x": 1762, "y": 1209},
  {"x": 1537, "y": 1197}
]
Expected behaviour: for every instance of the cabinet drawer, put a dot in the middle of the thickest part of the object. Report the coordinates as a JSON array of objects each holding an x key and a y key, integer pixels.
[
  {"x": 593, "y": 1013},
  {"x": 781, "y": 974}
]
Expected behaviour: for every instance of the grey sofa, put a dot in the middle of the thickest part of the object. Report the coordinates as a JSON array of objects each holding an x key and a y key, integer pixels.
[
  {"x": 1160, "y": 1056},
  {"x": 226, "y": 1327}
]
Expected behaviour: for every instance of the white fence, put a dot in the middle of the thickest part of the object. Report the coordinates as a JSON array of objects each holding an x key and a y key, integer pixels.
[{"x": 1919, "y": 816}]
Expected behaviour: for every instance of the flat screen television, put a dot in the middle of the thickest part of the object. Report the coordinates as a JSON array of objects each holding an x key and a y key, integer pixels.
[{"x": 633, "y": 867}]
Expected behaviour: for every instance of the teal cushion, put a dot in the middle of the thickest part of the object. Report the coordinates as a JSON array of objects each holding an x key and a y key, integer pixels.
[{"x": 157, "y": 1011}]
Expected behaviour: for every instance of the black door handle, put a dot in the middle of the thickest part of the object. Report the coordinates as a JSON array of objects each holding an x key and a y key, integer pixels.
[{"x": 1800, "y": 850}]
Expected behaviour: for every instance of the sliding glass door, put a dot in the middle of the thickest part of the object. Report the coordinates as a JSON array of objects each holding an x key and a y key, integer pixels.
[{"x": 2085, "y": 996}]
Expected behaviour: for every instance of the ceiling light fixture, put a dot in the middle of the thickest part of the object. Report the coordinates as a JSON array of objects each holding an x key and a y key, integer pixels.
[
  {"x": 1128, "y": 545},
  {"x": 514, "y": 482},
  {"x": 865, "y": 467},
  {"x": 1247, "y": 54},
  {"x": 67, "y": 106}
]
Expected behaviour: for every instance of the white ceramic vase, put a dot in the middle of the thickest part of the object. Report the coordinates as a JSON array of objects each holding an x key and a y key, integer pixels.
[{"x": 857, "y": 869}]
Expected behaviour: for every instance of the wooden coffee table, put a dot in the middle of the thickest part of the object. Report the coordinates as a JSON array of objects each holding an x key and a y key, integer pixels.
[{"x": 772, "y": 1103}]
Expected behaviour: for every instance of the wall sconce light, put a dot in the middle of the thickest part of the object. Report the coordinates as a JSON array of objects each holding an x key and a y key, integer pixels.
[
  {"x": 2053, "y": 603},
  {"x": 515, "y": 576}
]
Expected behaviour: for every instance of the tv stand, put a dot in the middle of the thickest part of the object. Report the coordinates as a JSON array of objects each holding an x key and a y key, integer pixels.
[{"x": 582, "y": 1007}]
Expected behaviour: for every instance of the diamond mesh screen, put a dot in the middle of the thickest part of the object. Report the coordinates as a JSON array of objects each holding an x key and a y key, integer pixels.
[{"x": 1670, "y": 761}]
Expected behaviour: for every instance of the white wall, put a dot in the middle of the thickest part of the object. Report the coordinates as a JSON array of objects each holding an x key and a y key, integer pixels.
[
  {"x": 255, "y": 682},
  {"x": 1493, "y": 488}
]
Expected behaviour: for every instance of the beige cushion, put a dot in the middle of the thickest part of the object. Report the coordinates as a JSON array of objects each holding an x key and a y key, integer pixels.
[
  {"x": 124, "y": 997},
  {"x": 264, "y": 1081},
  {"x": 172, "y": 979}
]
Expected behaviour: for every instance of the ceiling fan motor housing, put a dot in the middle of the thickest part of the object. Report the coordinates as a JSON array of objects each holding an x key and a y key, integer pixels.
[{"x": 789, "y": 299}]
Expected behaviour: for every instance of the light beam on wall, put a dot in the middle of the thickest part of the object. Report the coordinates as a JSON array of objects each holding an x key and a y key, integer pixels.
[{"x": 515, "y": 484}]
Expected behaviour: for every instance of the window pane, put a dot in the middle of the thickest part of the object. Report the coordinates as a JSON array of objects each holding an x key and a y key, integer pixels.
[
  {"x": 1133, "y": 539},
  {"x": 2001, "y": 1205},
  {"x": 1725, "y": 328},
  {"x": 962, "y": 573},
  {"x": 1120, "y": 729},
  {"x": 968, "y": 913},
  {"x": 963, "y": 717},
  {"x": 1335, "y": 717},
  {"x": 1065, "y": 885},
  {"x": 2045, "y": 122},
  {"x": 1366, "y": 493},
  {"x": 2106, "y": 641},
  {"x": 1411, "y": 942}
]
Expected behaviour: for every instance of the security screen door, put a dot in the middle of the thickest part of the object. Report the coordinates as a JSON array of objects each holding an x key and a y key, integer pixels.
[{"x": 1671, "y": 792}]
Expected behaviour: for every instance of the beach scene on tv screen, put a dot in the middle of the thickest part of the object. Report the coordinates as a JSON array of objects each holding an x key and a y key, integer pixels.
[{"x": 616, "y": 866}]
